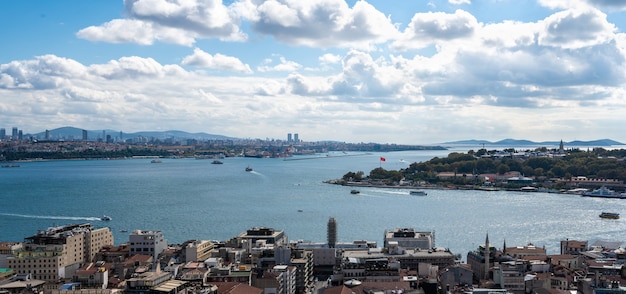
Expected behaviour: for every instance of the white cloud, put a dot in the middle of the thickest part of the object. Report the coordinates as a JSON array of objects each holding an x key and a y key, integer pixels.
[
  {"x": 179, "y": 22},
  {"x": 218, "y": 61},
  {"x": 282, "y": 65},
  {"x": 576, "y": 28},
  {"x": 321, "y": 23},
  {"x": 434, "y": 27},
  {"x": 459, "y": 2}
]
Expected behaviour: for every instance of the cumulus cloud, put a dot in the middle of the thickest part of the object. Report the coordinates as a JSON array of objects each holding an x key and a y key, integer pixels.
[
  {"x": 178, "y": 22},
  {"x": 576, "y": 28},
  {"x": 283, "y": 64},
  {"x": 601, "y": 4},
  {"x": 433, "y": 27},
  {"x": 218, "y": 61},
  {"x": 44, "y": 72},
  {"x": 320, "y": 23}
]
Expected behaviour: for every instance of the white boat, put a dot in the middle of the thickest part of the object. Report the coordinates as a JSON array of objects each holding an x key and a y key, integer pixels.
[
  {"x": 604, "y": 192},
  {"x": 418, "y": 193},
  {"x": 105, "y": 218}
]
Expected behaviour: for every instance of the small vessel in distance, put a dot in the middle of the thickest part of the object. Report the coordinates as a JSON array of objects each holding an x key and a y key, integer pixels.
[
  {"x": 156, "y": 161},
  {"x": 604, "y": 192},
  {"x": 105, "y": 218},
  {"x": 354, "y": 191},
  {"x": 611, "y": 215},
  {"x": 418, "y": 193},
  {"x": 248, "y": 169},
  {"x": 123, "y": 230},
  {"x": 216, "y": 162}
]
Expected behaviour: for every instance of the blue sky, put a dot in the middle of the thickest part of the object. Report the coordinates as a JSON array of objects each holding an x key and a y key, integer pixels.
[{"x": 408, "y": 72}]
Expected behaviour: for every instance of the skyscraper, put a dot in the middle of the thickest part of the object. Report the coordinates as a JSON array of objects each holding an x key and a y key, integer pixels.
[
  {"x": 295, "y": 138},
  {"x": 289, "y": 137}
]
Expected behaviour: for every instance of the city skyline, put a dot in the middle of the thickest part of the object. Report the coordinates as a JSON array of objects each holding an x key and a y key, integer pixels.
[{"x": 355, "y": 71}]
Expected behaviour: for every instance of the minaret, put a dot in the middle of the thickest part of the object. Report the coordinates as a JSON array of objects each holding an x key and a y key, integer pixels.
[
  {"x": 332, "y": 232},
  {"x": 487, "y": 257}
]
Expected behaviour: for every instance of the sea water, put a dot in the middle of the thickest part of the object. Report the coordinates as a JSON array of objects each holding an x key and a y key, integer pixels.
[{"x": 194, "y": 199}]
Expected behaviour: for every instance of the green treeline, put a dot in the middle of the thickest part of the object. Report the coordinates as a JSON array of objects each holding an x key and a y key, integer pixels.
[{"x": 598, "y": 163}]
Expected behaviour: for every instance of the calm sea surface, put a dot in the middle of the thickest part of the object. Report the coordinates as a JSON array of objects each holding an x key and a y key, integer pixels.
[{"x": 194, "y": 199}]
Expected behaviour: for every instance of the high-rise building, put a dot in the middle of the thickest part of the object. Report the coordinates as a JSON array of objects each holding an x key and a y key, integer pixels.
[
  {"x": 84, "y": 135},
  {"x": 14, "y": 133},
  {"x": 289, "y": 137},
  {"x": 3, "y": 133},
  {"x": 58, "y": 252},
  {"x": 332, "y": 232},
  {"x": 47, "y": 134},
  {"x": 295, "y": 138}
]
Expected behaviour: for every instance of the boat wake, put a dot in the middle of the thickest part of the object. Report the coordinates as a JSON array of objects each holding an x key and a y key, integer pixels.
[{"x": 89, "y": 218}]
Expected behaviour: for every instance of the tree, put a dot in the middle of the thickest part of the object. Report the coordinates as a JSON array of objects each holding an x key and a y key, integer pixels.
[{"x": 503, "y": 168}]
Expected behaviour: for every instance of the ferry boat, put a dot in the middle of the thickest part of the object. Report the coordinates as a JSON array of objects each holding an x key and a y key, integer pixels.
[
  {"x": 418, "y": 193},
  {"x": 604, "y": 192},
  {"x": 611, "y": 215}
]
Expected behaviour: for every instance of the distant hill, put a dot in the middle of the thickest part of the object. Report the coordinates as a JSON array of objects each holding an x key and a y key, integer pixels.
[
  {"x": 518, "y": 143},
  {"x": 77, "y": 133}
]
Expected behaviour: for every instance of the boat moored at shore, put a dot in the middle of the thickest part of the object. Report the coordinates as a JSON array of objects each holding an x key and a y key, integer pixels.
[{"x": 604, "y": 192}]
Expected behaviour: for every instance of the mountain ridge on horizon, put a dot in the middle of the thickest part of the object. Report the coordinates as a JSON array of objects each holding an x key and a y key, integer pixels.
[{"x": 68, "y": 131}]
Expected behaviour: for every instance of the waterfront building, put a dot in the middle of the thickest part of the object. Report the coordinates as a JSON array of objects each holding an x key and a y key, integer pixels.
[
  {"x": 58, "y": 252},
  {"x": 147, "y": 242},
  {"x": 410, "y": 239}
]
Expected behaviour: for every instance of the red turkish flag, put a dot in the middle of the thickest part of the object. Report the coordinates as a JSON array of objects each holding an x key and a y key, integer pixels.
[{"x": 382, "y": 159}]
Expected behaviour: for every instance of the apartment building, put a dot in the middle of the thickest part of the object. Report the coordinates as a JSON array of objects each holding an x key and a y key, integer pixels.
[{"x": 58, "y": 252}]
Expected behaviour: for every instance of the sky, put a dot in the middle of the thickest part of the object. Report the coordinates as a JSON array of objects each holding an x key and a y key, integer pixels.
[{"x": 383, "y": 71}]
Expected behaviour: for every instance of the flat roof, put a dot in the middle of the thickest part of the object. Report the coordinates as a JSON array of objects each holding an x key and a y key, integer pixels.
[{"x": 169, "y": 285}]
